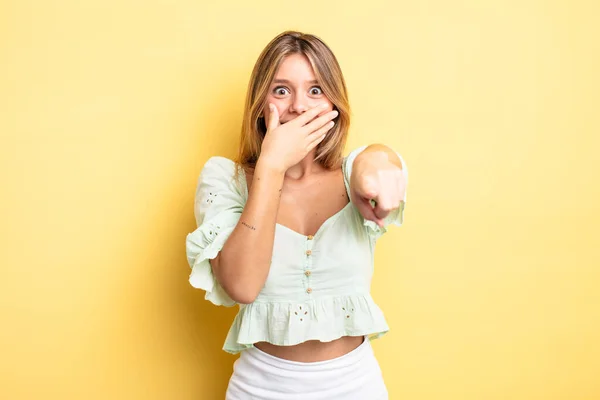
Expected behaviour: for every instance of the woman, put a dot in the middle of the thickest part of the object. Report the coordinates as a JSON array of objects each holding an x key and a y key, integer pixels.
[{"x": 288, "y": 232}]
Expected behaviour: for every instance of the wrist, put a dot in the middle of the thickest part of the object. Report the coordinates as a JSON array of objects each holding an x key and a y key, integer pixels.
[{"x": 266, "y": 166}]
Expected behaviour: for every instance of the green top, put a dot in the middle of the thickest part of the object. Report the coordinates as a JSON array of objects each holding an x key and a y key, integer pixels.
[{"x": 318, "y": 287}]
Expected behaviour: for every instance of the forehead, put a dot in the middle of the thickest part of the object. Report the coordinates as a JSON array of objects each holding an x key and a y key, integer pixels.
[{"x": 296, "y": 68}]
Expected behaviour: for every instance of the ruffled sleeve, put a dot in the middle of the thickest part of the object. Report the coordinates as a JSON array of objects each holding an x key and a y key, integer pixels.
[
  {"x": 218, "y": 205},
  {"x": 396, "y": 217}
]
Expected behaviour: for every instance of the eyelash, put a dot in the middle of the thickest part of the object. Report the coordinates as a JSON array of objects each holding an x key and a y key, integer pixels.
[{"x": 283, "y": 87}]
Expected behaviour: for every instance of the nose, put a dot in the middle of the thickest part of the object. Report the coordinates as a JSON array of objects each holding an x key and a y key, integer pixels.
[{"x": 299, "y": 104}]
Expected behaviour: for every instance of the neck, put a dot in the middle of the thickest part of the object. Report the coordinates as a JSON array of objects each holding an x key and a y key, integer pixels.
[{"x": 305, "y": 168}]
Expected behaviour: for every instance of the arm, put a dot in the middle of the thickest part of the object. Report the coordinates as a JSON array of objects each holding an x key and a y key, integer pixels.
[
  {"x": 379, "y": 153},
  {"x": 243, "y": 264},
  {"x": 379, "y": 174}
]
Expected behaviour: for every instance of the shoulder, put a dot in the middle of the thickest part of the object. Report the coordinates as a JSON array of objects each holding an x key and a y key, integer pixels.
[
  {"x": 355, "y": 151},
  {"x": 349, "y": 159},
  {"x": 221, "y": 172},
  {"x": 218, "y": 165}
]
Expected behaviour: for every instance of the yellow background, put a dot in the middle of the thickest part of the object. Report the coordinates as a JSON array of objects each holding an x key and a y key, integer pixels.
[{"x": 110, "y": 108}]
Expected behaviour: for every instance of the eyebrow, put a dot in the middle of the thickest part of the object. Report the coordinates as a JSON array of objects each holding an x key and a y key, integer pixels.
[{"x": 314, "y": 82}]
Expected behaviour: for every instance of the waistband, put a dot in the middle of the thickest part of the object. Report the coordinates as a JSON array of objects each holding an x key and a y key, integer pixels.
[{"x": 350, "y": 358}]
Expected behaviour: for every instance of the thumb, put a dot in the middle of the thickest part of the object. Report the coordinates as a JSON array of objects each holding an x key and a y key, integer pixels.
[
  {"x": 367, "y": 211},
  {"x": 273, "y": 117},
  {"x": 365, "y": 208}
]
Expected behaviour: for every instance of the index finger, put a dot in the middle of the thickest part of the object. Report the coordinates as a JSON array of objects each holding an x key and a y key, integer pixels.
[{"x": 308, "y": 116}]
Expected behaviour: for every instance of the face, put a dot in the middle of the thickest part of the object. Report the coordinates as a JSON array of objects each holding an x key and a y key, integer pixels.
[{"x": 295, "y": 89}]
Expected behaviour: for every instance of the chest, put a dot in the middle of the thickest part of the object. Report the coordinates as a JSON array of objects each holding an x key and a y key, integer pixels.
[
  {"x": 306, "y": 205},
  {"x": 337, "y": 259}
]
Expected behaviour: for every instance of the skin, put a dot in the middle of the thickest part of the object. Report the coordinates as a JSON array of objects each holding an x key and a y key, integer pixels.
[{"x": 288, "y": 187}]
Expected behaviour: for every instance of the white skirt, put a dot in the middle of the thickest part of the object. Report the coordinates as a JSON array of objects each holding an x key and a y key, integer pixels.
[{"x": 353, "y": 376}]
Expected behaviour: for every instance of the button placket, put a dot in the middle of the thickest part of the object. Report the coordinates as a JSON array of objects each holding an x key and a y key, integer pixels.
[{"x": 308, "y": 263}]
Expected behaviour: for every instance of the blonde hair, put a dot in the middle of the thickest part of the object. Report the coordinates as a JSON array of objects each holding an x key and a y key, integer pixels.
[{"x": 330, "y": 78}]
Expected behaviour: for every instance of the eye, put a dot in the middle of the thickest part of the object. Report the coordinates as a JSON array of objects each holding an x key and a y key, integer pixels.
[
  {"x": 281, "y": 91},
  {"x": 316, "y": 90}
]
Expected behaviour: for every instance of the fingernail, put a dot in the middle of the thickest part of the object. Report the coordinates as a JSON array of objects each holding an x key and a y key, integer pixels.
[
  {"x": 323, "y": 105},
  {"x": 271, "y": 107}
]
